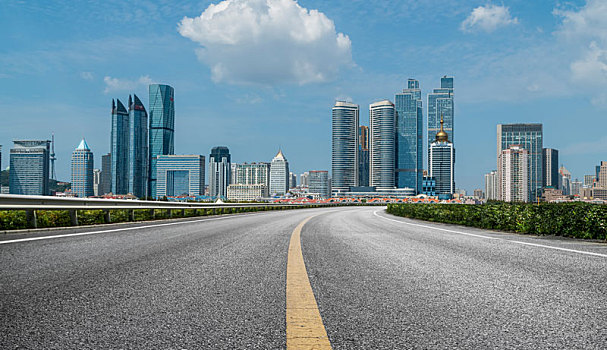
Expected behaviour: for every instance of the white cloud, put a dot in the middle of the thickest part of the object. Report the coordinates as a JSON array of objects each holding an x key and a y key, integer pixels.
[
  {"x": 116, "y": 84},
  {"x": 267, "y": 42},
  {"x": 87, "y": 75},
  {"x": 488, "y": 18}
]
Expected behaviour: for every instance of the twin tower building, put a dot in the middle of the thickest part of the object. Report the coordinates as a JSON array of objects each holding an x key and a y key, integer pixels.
[{"x": 389, "y": 153}]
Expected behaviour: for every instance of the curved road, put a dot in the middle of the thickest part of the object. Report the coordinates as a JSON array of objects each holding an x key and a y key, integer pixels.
[{"x": 377, "y": 282}]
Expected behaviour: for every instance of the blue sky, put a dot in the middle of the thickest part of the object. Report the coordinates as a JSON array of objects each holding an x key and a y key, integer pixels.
[{"x": 261, "y": 74}]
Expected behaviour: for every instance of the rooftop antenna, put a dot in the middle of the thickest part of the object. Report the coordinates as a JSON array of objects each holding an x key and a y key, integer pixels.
[{"x": 53, "y": 158}]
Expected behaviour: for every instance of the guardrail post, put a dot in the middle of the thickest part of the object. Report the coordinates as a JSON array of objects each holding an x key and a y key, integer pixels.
[
  {"x": 106, "y": 216},
  {"x": 132, "y": 215},
  {"x": 170, "y": 213},
  {"x": 74, "y": 217},
  {"x": 152, "y": 214},
  {"x": 183, "y": 213},
  {"x": 32, "y": 218}
]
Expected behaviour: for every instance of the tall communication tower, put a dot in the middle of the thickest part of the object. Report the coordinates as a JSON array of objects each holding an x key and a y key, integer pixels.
[{"x": 53, "y": 158}]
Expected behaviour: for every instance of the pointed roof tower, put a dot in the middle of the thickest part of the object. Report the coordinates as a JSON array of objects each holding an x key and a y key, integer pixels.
[
  {"x": 442, "y": 136},
  {"x": 83, "y": 145},
  {"x": 120, "y": 107}
]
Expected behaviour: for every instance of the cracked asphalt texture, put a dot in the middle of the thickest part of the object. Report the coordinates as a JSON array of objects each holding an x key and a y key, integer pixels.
[{"x": 379, "y": 284}]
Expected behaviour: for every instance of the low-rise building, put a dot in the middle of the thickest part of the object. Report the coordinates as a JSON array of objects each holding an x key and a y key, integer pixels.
[{"x": 246, "y": 193}]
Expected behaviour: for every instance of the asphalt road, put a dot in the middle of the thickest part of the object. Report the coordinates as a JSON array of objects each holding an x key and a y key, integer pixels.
[{"x": 380, "y": 282}]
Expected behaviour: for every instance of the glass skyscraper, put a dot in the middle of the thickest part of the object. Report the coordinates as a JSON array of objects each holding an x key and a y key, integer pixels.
[
  {"x": 162, "y": 127},
  {"x": 409, "y": 137},
  {"x": 440, "y": 103},
  {"x": 219, "y": 172},
  {"x": 363, "y": 156},
  {"x": 530, "y": 137},
  {"x": 82, "y": 170},
  {"x": 138, "y": 148},
  {"x": 382, "y": 123},
  {"x": 345, "y": 159},
  {"x": 319, "y": 183},
  {"x": 119, "y": 149},
  {"x": 29, "y": 167},
  {"x": 180, "y": 174},
  {"x": 105, "y": 184}
]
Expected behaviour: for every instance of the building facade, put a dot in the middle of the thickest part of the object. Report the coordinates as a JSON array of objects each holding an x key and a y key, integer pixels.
[
  {"x": 219, "y": 172},
  {"x": 29, "y": 167},
  {"x": 441, "y": 104},
  {"x": 550, "y": 175},
  {"x": 279, "y": 175},
  {"x": 382, "y": 150},
  {"x": 247, "y": 192},
  {"x": 292, "y": 180},
  {"x": 178, "y": 175},
  {"x": 514, "y": 174},
  {"x": 530, "y": 137},
  {"x": 409, "y": 137},
  {"x": 492, "y": 186},
  {"x": 105, "y": 183},
  {"x": 138, "y": 148},
  {"x": 82, "y": 171},
  {"x": 251, "y": 174},
  {"x": 363, "y": 156},
  {"x": 441, "y": 156},
  {"x": 344, "y": 158},
  {"x": 303, "y": 179},
  {"x": 162, "y": 127},
  {"x": 96, "y": 181},
  {"x": 119, "y": 145},
  {"x": 319, "y": 183},
  {"x": 565, "y": 181}
]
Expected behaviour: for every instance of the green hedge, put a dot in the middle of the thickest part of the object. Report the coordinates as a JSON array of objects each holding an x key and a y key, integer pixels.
[
  {"x": 579, "y": 220},
  {"x": 13, "y": 220}
]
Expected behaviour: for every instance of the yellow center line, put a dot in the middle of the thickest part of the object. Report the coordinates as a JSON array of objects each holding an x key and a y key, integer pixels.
[{"x": 305, "y": 329}]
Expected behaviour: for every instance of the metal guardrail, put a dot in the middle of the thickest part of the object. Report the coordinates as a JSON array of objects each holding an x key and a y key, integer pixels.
[{"x": 33, "y": 203}]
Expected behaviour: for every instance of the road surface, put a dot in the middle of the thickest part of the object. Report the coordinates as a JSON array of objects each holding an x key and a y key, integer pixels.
[{"x": 368, "y": 280}]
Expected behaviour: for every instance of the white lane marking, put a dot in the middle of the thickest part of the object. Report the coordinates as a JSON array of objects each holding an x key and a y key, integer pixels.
[
  {"x": 496, "y": 238},
  {"x": 120, "y": 229}
]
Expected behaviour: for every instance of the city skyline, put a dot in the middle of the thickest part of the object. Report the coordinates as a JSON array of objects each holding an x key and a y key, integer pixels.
[{"x": 484, "y": 98}]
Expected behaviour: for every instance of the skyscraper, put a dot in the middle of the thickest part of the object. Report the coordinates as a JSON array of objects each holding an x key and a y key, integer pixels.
[
  {"x": 292, "y": 180},
  {"x": 96, "y": 181},
  {"x": 363, "y": 156},
  {"x": 251, "y": 174},
  {"x": 530, "y": 137},
  {"x": 219, "y": 171},
  {"x": 105, "y": 183},
  {"x": 82, "y": 170},
  {"x": 513, "y": 174},
  {"x": 162, "y": 127},
  {"x": 409, "y": 137},
  {"x": 344, "y": 158},
  {"x": 565, "y": 183},
  {"x": 491, "y": 185},
  {"x": 119, "y": 149},
  {"x": 319, "y": 183},
  {"x": 550, "y": 176},
  {"x": 442, "y": 163},
  {"x": 29, "y": 167},
  {"x": 180, "y": 174},
  {"x": 441, "y": 104},
  {"x": 303, "y": 179},
  {"x": 279, "y": 175},
  {"x": 138, "y": 148},
  {"x": 381, "y": 144}
]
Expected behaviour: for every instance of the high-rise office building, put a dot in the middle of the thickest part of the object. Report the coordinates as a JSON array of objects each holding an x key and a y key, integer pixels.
[
  {"x": 550, "y": 175},
  {"x": 363, "y": 156},
  {"x": 409, "y": 137},
  {"x": 530, "y": 137},
  {"x": 513, "y": 174},
  {"x": 82, "y": 171},
  {"x": 162, "y": 127},
  {"x": 492, "y": 185},
  {"x": 292, "y": 180},
  {"x": 138, "y": 148},
  {"x": 96, "y": 181},
  {"x": 589, "y": 180},
  {"x": 344, "y": 159},
  {"x": 105, "y": 184},
  {"x": 576, "y": 187},
  {"x": 119, "y": 149},
  {"x": 1, "y": 158},
  {"x": 219, "y": 171},
  {"x": 279, "y": 175},
  {"x": 178, "y": 175},
  {"x": 251, "y": 174},
  {"x": 442, "y": 163},
  {"x": 382, "y": 124},
  {"x": 441, "y": 105},
  {"x": 565, "y": 181},
  {"x": 29, "y": 167},
  {"x": 303, "y": 179},
  {"x": 319, "y": 183}
]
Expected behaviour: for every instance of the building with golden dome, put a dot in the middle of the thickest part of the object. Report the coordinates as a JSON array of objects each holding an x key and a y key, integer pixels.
[{"x": 441, "y": 158}]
